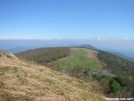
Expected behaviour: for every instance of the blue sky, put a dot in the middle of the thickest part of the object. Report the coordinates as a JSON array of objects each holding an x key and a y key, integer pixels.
[{"x": 72, "y": 19}]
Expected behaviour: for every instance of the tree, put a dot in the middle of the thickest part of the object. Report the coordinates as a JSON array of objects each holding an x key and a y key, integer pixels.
[{"x": 115, "y": 87}]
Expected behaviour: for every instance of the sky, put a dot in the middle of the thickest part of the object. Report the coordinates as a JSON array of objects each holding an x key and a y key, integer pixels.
[{"x": 71, "y": 19}]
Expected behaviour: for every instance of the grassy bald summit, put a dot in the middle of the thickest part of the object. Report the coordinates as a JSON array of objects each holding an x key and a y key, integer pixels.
[
  {"x": 78, "y": 57},
  {"x": 24, "y": 81},
  {"x": 114, "y": 75}
]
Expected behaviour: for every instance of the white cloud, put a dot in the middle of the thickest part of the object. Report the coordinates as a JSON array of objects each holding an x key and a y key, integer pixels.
[
  {"x": 93, "y": 38},
  {"x": 101, "y": 39}
]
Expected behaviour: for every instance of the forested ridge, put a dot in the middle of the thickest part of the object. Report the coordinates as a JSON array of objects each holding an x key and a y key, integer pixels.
[
  {"x": 44, "y": 55},
  {"x": 123, "y": 70}
]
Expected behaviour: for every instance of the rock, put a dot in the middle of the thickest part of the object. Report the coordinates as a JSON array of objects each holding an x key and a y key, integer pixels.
[{"x": 1, "y": 55}]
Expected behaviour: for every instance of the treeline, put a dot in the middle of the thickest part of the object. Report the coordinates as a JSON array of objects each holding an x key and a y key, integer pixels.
[
  {"x": 113, "y": 86},
  {"x": 123, "y": 69},
  {"x": 44, "y": 55}
]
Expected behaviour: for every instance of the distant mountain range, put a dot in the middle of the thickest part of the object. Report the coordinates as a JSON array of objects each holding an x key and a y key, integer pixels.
[
  {"x": 123, "y": 56},
  {"x": 118, "y": 53},
  {"x": 16, "y": 49}
]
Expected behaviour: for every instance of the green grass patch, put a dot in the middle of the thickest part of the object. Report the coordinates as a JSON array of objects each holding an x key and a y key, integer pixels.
[{"x": 78, "y": 57}]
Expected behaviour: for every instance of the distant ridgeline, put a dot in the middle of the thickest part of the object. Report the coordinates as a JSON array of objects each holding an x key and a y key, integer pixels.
[{"x": 89, "y": 47}]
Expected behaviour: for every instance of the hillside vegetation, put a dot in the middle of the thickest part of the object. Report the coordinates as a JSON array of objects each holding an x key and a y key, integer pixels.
[
  {"x": 124, "y": 71},
  {"x": 114, "y": 75},
  {"x": 44, "y": 55},
  {"x": 81, "y": 63},
  {"x": 25, "y": 81}
]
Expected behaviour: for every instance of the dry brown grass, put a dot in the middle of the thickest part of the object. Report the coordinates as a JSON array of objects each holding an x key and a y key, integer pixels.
[{"x": 23, "y": 81}]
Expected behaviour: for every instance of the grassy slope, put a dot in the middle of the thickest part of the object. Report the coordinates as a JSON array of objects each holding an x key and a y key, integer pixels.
[
  {"x": 79, "y": 57},
  {"x": 23, "y": 81}
]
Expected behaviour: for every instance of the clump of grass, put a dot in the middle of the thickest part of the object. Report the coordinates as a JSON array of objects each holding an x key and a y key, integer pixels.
[
  {"x": 2, "y": 85},
  {"x": 7, "y": 96},
  {"x": 8, "y": 69},
  {"x": 50, "y": 82},
  {"x": 22, "y": 80},
  {"x": 4, "y": 69},
  {"x": 8, "y": 56},
  {"x": 36, "y": 77},
  {"x": 14, "y": 70},
  {"x": 2, "y": 73}
]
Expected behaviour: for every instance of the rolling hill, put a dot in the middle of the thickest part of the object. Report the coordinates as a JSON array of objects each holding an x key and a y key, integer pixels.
[
  {"x": 92, "y": 65},
  {"x": 44, "y": 55},
  {"x": 25, "y": 81},
  {"x": 78, "y": 57}
]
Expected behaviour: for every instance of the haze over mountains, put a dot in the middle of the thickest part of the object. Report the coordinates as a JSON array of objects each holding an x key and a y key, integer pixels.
[
  {"x": 122, "y": 46},
  {"x": 17, "y": 49}
]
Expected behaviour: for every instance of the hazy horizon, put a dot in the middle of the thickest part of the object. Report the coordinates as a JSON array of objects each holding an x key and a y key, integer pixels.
[{"x": 101, "y": 43}]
